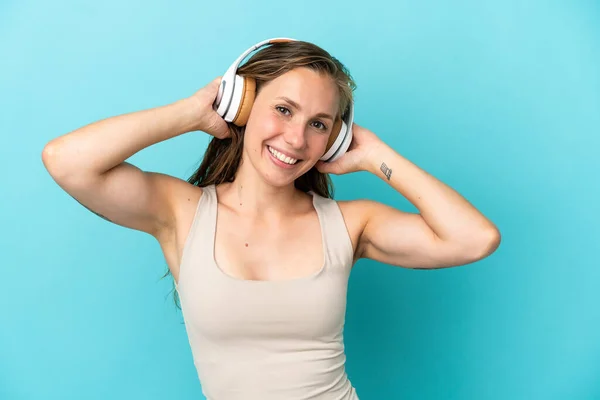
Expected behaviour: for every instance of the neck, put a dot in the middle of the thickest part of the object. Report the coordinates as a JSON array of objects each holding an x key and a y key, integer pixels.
[{"x": 250, "y": 194}]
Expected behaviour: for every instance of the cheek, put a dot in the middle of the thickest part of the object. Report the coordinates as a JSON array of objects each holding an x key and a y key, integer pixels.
[
  {"x": 271, "y": 125},
  {"x": 262, "y": 128},
  {"x": 318, "y": 142}
]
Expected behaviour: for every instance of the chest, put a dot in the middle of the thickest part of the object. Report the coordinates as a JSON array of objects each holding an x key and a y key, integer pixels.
[
  {"x": 228, "y": 310},
  {"x": 262, "y": 250}
]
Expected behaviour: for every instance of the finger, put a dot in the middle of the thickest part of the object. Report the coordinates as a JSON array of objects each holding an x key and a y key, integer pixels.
[
  {"x": 214, "y": 84},
  {"x": 321, "y": 166},
  {"x": 325, "y": 168},
  {"x": 223, "y": 129}
]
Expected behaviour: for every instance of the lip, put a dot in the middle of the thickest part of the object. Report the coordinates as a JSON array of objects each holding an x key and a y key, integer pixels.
[
  {"x": 278, "y": 162},
  {"x": 285, "y": 153}
]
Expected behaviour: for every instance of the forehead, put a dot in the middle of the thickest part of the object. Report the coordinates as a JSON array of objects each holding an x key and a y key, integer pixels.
[{"x": 317, "y": 92}]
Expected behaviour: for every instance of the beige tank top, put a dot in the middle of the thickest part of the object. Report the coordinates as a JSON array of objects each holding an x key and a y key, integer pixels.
[{"x": 267, "y": 340}]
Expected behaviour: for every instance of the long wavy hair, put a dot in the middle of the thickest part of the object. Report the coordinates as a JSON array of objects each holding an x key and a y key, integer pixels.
[{"x": 223, "y": 156}]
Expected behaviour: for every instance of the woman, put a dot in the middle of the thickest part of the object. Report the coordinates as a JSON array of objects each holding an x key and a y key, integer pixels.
[{"x": 260, "y": 252}]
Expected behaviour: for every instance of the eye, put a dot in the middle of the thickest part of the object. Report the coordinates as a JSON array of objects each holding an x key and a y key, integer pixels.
[
  {"x": 282, "y": 109},
  {"x": 321, "y": 126}
]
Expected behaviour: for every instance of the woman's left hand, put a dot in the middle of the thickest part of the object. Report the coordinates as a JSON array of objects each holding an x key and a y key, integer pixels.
[{"x": 364, "y": 143}]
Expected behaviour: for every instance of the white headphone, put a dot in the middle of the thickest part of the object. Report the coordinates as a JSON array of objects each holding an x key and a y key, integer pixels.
[{"x": 236, "y": 96}]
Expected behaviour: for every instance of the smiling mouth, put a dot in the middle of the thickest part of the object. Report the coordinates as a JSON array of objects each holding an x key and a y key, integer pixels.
[{"x": 282, "y": 157}]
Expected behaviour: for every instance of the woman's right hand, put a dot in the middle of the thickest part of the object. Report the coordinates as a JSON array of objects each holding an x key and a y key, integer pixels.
[{"x": 210, "y": 122}]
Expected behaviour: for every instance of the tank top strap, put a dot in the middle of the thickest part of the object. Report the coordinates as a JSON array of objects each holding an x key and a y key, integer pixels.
[
  {"x": 337, "y": 239},
  {"x": 211, "y": 196},
  {"x": 200, "y": 236}
]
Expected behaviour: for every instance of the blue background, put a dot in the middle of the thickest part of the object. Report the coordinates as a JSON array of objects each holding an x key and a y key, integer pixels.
[{"x": 500, "y": 100}]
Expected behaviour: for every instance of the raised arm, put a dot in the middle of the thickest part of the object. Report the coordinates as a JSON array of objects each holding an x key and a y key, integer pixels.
[
  {"x": 447, "y": 231},
  {"x": 89, "y": 163}
]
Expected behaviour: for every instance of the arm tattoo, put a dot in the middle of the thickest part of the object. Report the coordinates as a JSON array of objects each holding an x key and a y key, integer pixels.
[{"x": 386, "y": 171}]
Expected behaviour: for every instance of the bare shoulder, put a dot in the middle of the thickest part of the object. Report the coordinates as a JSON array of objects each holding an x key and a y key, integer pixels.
[
  {"x": 184, "y": 198},
  {"x": 177, "y": 193},
  {"x": 356, "y": 214}
]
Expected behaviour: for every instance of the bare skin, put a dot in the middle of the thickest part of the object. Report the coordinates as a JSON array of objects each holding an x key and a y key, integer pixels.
[{"x": 264, "y": 224}]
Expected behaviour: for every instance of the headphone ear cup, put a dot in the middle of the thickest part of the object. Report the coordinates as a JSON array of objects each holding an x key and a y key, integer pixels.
[
  {"x": 336, "y": 139},
  {"x": 246, "y": 102},
  {"x": 344, "y": 143},
  {"x": 335, "y": 132}
]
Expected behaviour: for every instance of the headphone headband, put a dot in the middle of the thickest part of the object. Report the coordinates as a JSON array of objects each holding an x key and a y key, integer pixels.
[
  {"x": 236, "y": 95},
  {"x": 257, "y": 46},
  {"x": 229, "y": 75}
]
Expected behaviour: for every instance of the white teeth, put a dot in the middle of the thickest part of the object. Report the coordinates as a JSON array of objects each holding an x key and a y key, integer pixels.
[{"x": 281, "y": 157}]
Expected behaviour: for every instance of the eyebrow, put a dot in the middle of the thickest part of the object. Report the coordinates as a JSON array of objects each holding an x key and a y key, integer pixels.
[{"x": 297, "y": 106}]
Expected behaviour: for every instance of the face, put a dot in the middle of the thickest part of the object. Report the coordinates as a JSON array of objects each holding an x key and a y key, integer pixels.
[{"x": 289, "y": 125}]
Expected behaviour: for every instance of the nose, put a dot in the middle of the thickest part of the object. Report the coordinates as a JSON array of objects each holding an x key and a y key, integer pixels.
[{"x": 295, "y": 136}]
